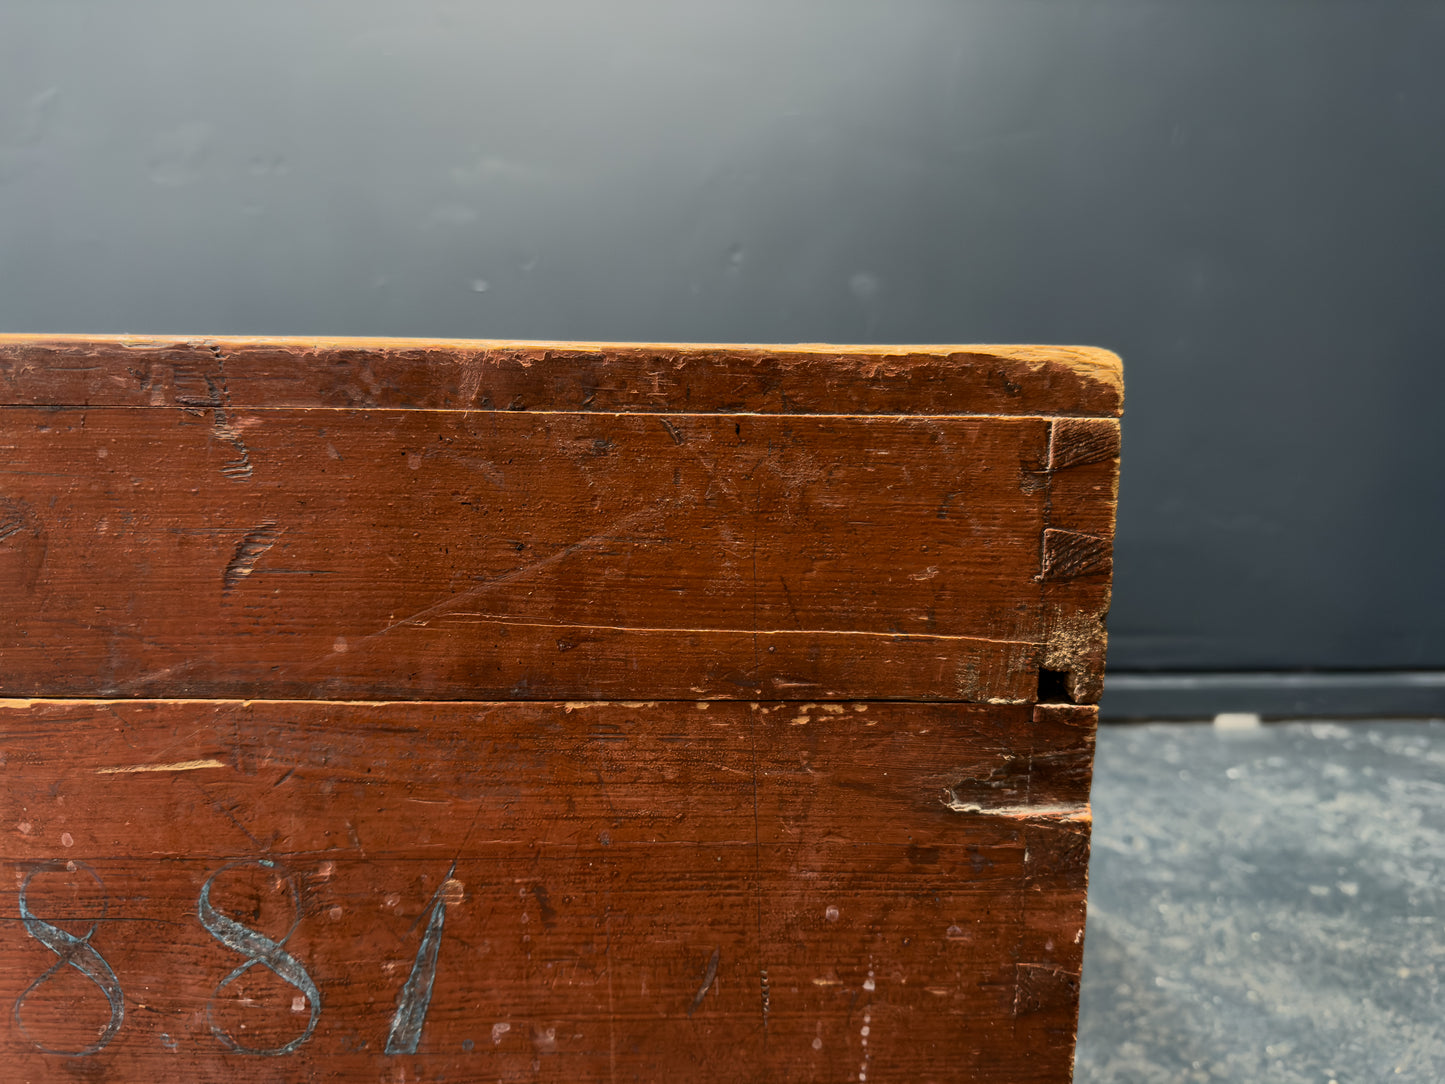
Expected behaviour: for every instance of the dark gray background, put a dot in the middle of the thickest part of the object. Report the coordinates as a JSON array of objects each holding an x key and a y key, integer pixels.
[{"x": 1245, "y": 198}]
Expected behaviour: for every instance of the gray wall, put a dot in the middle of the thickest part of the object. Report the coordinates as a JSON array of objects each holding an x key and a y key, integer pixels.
[{"x": 1245, "y": 198}]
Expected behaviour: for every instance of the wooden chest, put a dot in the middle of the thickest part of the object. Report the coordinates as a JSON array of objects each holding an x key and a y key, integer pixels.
[{"x": 483, "y": 711}]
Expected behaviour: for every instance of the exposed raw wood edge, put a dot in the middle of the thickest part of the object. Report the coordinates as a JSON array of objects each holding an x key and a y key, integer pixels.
[
  {"x": 1092, "y": 360},
  {"x": 176, "y": 766},
  {"x": 1080, "y": 813},
  {"x": 495, "y": 375}
]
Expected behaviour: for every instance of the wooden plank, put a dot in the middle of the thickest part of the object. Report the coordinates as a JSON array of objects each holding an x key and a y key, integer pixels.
[
  {"x": 348, "y": 553},
  {"x": 497, "y": 375},
  {"x": 700, "y": 891}
]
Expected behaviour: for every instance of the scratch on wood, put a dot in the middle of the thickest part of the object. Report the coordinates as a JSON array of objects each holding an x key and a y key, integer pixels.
[
  {"x": 673, "y": 431},
  {"x": 238, "y": 469},
  {"x": 256, "y": 542},
  {"x": 218, "y": 399},
  {"x": 929, "y": 637},
  {"x": 708, "y": 976},
  {"x": 611, "y": 1009},
  {"x": 177, "y": 766},
  {"x": 1022, "y": 812},
  {"x": 533, "y": 567},
  {"x": 12, "y": 521}
]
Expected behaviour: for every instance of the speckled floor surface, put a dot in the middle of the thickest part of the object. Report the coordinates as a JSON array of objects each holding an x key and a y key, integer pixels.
[{"x": 1266, "y": 905}]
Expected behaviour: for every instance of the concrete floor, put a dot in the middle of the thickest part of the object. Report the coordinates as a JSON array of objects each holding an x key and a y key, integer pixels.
[{"x": 1266, "y": 904}]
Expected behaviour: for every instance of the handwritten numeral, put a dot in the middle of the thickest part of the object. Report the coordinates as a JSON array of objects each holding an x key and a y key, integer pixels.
[
  {"x": 412, "y": 1002},
  {"x": 258, "y": 949},
  {"x": 76, "y": 952},
  {"x": 415, "y": 997}
]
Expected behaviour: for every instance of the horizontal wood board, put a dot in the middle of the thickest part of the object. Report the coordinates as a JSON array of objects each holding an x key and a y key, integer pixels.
[
  {"x": 197, "y": 547},
  {"x": 711, "y": 891}
]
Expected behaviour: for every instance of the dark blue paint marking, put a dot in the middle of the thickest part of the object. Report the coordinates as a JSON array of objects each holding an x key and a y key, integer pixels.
[
  {"x": 258, "y": 949},
  {"x": 709, "y": 976},
  {"x": 76, "y": 952},
  {"x": 415, "y": 997}
]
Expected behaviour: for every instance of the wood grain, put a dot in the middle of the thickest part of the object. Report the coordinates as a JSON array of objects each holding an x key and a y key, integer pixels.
[
  {"x": 476, "y": 711},
  {"x": 600, "y": 855},
  {"x": 342, "y": 553}
]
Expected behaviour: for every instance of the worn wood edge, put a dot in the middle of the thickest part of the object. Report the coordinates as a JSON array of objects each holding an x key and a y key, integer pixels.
[
  {"x": 1076, "y": 604},
  {"x": 1104, "y": 365},
  {"x": 1094, "y": 365}
]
